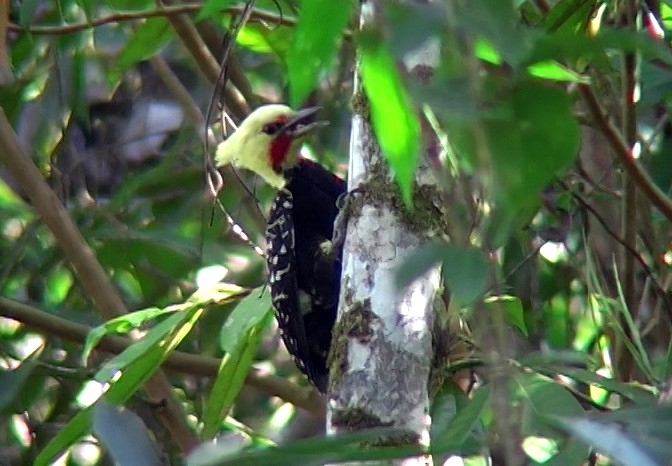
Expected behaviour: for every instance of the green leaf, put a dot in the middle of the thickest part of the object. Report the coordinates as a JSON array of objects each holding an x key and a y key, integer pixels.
[
  {"x": 150, "y": 255},
  {"x": 408, "y": 24},
  {"x": 134, "y": 368},
  {"x": 153, "y": 338},
  {"x": 513, "y": 310},
  {"x": 568, "y": 15},
  {"x": 637, "y": 394},
  {"x": 210, "y": 7},
  {"x": 542, "y": 398},
  {"x": 231, "y": 376},
  {"x": 13, "y": 383},
  {"x": 147, "y": 40},
  {"x": 532, "y": 138},
  {"x": 394, "y": 119},
  {"x": 251, "y": 311},
  {"x": 495, "y": 22},
  {"x": 120, "y": 325},
  {"x": 130, "y": 4},
  {"x": 486, "y": 52},
  {"x": 240, "y": 338},
  {"x": 252, "y": 38},
  {"x": 567, "y": 46},
  {"x": 316, "y": 35},
  {"x": 629, "y": 436},
  {"x": 337, "y": 448},
  {"x": 124, "y": 435},
  {"x": 164, "y": 329},
  {"x": 453, "y": 422},
  {"x": 260, "y": 39},
  {"x": 554, "y": 71},
  {"x": 78, "y": 85},
  {"x": 66, "y": 437},
  {"x": 464, "y": 269},
  {"x": 27, "y": 9},
  {"x": 466, "y": 273},
  {"x": 418, "y": 263}
]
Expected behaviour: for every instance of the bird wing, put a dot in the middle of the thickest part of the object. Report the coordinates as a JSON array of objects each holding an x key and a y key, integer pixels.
[{"x": 281, "y": 257}]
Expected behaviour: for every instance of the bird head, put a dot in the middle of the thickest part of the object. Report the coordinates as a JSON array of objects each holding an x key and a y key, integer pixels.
[{"x": 267, "y": 142}]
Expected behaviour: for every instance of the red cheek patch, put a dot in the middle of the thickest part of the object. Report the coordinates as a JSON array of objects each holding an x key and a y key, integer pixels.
[{"x": 278, "y": 151}]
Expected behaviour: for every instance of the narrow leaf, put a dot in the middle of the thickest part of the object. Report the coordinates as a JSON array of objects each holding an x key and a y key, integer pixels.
[
  {"x": 394, "y": 119},
  {"x": 140, "y": 368},
  {"x": 234, "y": 367},
  {"x": 513, "y": 310},
  {"x": 120, "y": 325}
]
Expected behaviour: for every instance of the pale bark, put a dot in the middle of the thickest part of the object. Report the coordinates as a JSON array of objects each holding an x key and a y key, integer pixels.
[{"x": 382, "y": 347}]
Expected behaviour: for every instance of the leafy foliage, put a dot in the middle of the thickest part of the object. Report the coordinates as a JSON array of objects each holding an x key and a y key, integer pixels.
[{"x": 493, "y": 95}]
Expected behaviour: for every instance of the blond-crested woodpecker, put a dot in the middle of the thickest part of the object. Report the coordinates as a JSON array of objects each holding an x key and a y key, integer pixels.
[{"x": 304, "y": 270}]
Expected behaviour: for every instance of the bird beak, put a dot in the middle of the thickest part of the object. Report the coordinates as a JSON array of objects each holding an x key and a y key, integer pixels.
[{"x": 302, "y": 123}]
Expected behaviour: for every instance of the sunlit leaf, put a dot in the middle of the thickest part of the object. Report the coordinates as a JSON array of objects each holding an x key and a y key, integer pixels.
[
  {"x": 486, "y": 52},
  {"x": 394, "y": 118},
  {"x": 138, "y": 365},
  {"x": 240, "y": 338},
  {"x": 556, "y": 72},
  {"x": 252, "y": 38},
  {"x": 251, "y": 311},
  {"x": 119, "y": 325}
]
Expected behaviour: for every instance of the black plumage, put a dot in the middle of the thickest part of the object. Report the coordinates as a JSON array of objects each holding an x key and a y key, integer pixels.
[{"x": 304, "y": 274}]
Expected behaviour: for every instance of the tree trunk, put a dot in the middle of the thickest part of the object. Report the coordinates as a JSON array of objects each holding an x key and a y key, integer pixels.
[{"x": 382, "y": 353}]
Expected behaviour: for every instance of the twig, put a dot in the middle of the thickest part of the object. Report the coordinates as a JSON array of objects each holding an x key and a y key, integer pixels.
[
  {"x": 191, "y": 39},
  {"x": 212, "y": 39},
  {"x": 542, "y": 6},
  {"x": 177, "y": 361},
  {"x": 624, "y": 360},
  {"x": 90, "y": 273},
  {"x": 660, "y": 289},
  {"x": 161, "y": 11},
  {"x": 622, "y": 152},
  {"x": 194, "y": 114}
]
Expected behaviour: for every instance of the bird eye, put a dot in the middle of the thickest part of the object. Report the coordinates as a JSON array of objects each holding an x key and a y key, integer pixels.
[{"x": 271, "y": 128}]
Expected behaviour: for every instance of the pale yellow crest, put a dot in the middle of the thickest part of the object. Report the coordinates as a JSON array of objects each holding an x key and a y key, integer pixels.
[{"x": 248, "y": 146}]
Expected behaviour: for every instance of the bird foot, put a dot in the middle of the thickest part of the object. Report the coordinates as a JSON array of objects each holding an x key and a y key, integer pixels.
[{"x": 344, "y": 205}]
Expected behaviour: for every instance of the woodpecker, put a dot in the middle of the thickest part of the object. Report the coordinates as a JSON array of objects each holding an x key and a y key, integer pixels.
[{"x": 304, "y": 265}]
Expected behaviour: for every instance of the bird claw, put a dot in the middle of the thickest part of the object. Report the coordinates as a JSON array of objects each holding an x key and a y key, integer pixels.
[
  {"x": 344, "y": 205},
  {"x": 328, "y": 250}
]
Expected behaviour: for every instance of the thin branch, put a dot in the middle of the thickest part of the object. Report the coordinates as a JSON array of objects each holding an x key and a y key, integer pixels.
[
  {"x": 542, "y": 6},
  {"x": 197, "y": 119},
  {"x": 624, "y": 361},
  {"x": 640, "y": 177},
  {"x": 667, "y": 304},
  {"x": 90, "y": 273},
  {"x": 160, "y": 12},
  {"x": 179, "y": 361},
  {"x": 213, "y": 40},
  {"x": 193, "y": 42}
]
